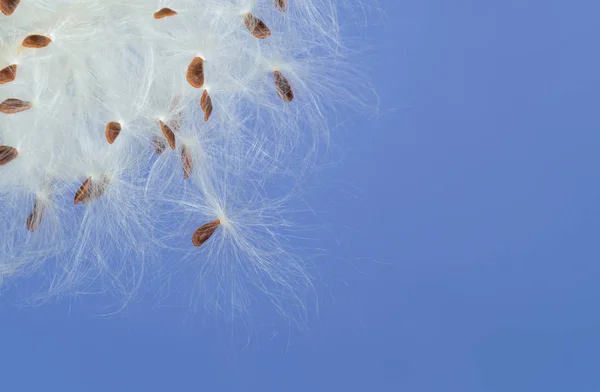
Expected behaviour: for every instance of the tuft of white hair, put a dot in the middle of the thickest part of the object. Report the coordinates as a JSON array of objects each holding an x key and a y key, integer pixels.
[{"x": 116, "y": 146}]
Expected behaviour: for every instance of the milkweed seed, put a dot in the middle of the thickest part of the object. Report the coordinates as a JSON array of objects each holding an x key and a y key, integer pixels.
[
  {"x": 204, "y": 232},
  {"x": 168, "y": 134},
  {"x": 13, "y": 105},
  {"x": 91, "y": 190},
  {"x": 206, "y": 105},
  {"x": 195, "y": 72},
  {"x": 7, "y": 154},
  {"x": 186, "y": 162},
  {"x": 256, "y": 27},
  {"x": 113, "y": 129},
  {"x": 282, "y": 5},
  {"x": 163, "y": 13},
  {"x": 8, "y": 6},
  {"x": 36, "y": 41},
  {"x": 8, "y": 74},
  {"x": 35, "y": 218},
  {"x": 284, "y": 89}
]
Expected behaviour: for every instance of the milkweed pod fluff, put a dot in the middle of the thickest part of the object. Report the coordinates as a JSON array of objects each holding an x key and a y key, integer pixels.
[{"x": 141, "y": 138}]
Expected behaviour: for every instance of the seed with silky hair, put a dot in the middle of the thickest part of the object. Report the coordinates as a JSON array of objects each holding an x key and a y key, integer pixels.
[
  {"x": 36, "y": 41},
  {"x": 204, "y": 232},
  {"x": 256, "y": 27}
]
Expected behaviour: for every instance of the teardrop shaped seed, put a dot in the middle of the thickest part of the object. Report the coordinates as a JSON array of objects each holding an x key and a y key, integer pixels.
[
  {"x": 282, "y": 5},
  {"x": 204, "y": 232},
  {"x": 84, "y": 191},
  {"x": 284, "y": 89},
  {"x": 13, "y": 105},
  {"x": 7, "y": 154},
  {"x": 35, "y": 218},
  {"x": 8, "y": 6},
  {"x": 257, "y": 27},
  {"x": 168, "y": 134},
  {"x": 91, "y": 190},
  {"x": 206, "y": 105},
  {"x": 159, "y": 144},
  {"x": 113, "y": 129},
  {"x": 36, "y": 41},
  {"x": 186, "y": 162},
  {"x": 195, "y": 72},
  {"x": 8, "y": 74},
  {"x": 163, "y": 13}
]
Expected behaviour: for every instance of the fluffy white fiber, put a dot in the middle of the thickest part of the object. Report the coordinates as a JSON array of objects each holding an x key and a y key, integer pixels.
[{"x": 81, "y": 210}]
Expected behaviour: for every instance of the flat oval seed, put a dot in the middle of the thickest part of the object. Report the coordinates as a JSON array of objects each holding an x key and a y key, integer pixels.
[
  {"x": 7, "y": 154},
  {"x": 284, "y": 89},
  {"x": 84, "y": 191},
  {"x": 8, "y": 6},
  {"x": 8, "y": 74},
  {"x": 91, "y": 190},
  {"x": 204, "y": 232},
  {"x": 195, "y": 72},
  {"x": 257, "y": 27},
  {"x": 35, "y": 218},
  {"x": 163, "y": 13},
  {"x": 186, "y": 162},
  {"x": 281, "y": 5},
  {"x": 36, "y": 41},
  {"x": 206, "y": 105},
  {"x": 113, "y": 129},
  {"x": 159, "y": 144},
  {"x": 13, "y": 105},
  {"x": 168, "y": 134}
]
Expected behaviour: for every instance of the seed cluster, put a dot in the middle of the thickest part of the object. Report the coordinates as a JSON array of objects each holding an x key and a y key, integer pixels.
[{"x": 94, "y": 187}]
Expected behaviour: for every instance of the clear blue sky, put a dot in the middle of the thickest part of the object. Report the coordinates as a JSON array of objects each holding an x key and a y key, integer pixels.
[{"x": 464, "y": 231}]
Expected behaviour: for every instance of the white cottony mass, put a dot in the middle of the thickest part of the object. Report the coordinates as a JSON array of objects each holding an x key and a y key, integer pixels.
[{"x": 143, "y": 137}]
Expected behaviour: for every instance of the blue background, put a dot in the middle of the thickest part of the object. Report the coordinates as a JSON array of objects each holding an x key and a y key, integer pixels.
[{"x": 464, "y": 231}]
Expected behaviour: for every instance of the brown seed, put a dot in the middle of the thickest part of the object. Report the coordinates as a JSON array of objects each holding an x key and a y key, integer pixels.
[
  {"x": 84, "y": 191},
  {"x": 113, "y": 129},
  {"x": 13, "y": 105},
  {"x": 206, "y": 105},
  {"x": 168, "y": 134},
  {"x": 195, "y": 72},
  {"x": 36, "y": 41},
  {"x": 91, "y": 190},
  {"x": 35, "y": 218},
  {"x": 282, "y": 5},
  {"x": 8, "y": 6},
  {"x": 204, "y": 232},
  {"x": 7, "y": 154},
  {"x": 186, "y": 162},
  {"x": 163, "y": 13},
  {"x": 257, "y": 27},
  {"x": 284, "y": 89},
  {"x": 8, "y": 74},
  {"x": 159, "y": 144}
]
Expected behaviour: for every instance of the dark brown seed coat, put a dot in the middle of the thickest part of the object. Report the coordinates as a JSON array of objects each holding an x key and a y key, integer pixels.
[
  {"x": 36, "y": 41},
  {"x": 168, "y": 134},
  {"x": 206, "y": 105},
  {"x": 204, "y": 232},
  {"x": 7, "y": 154}
]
